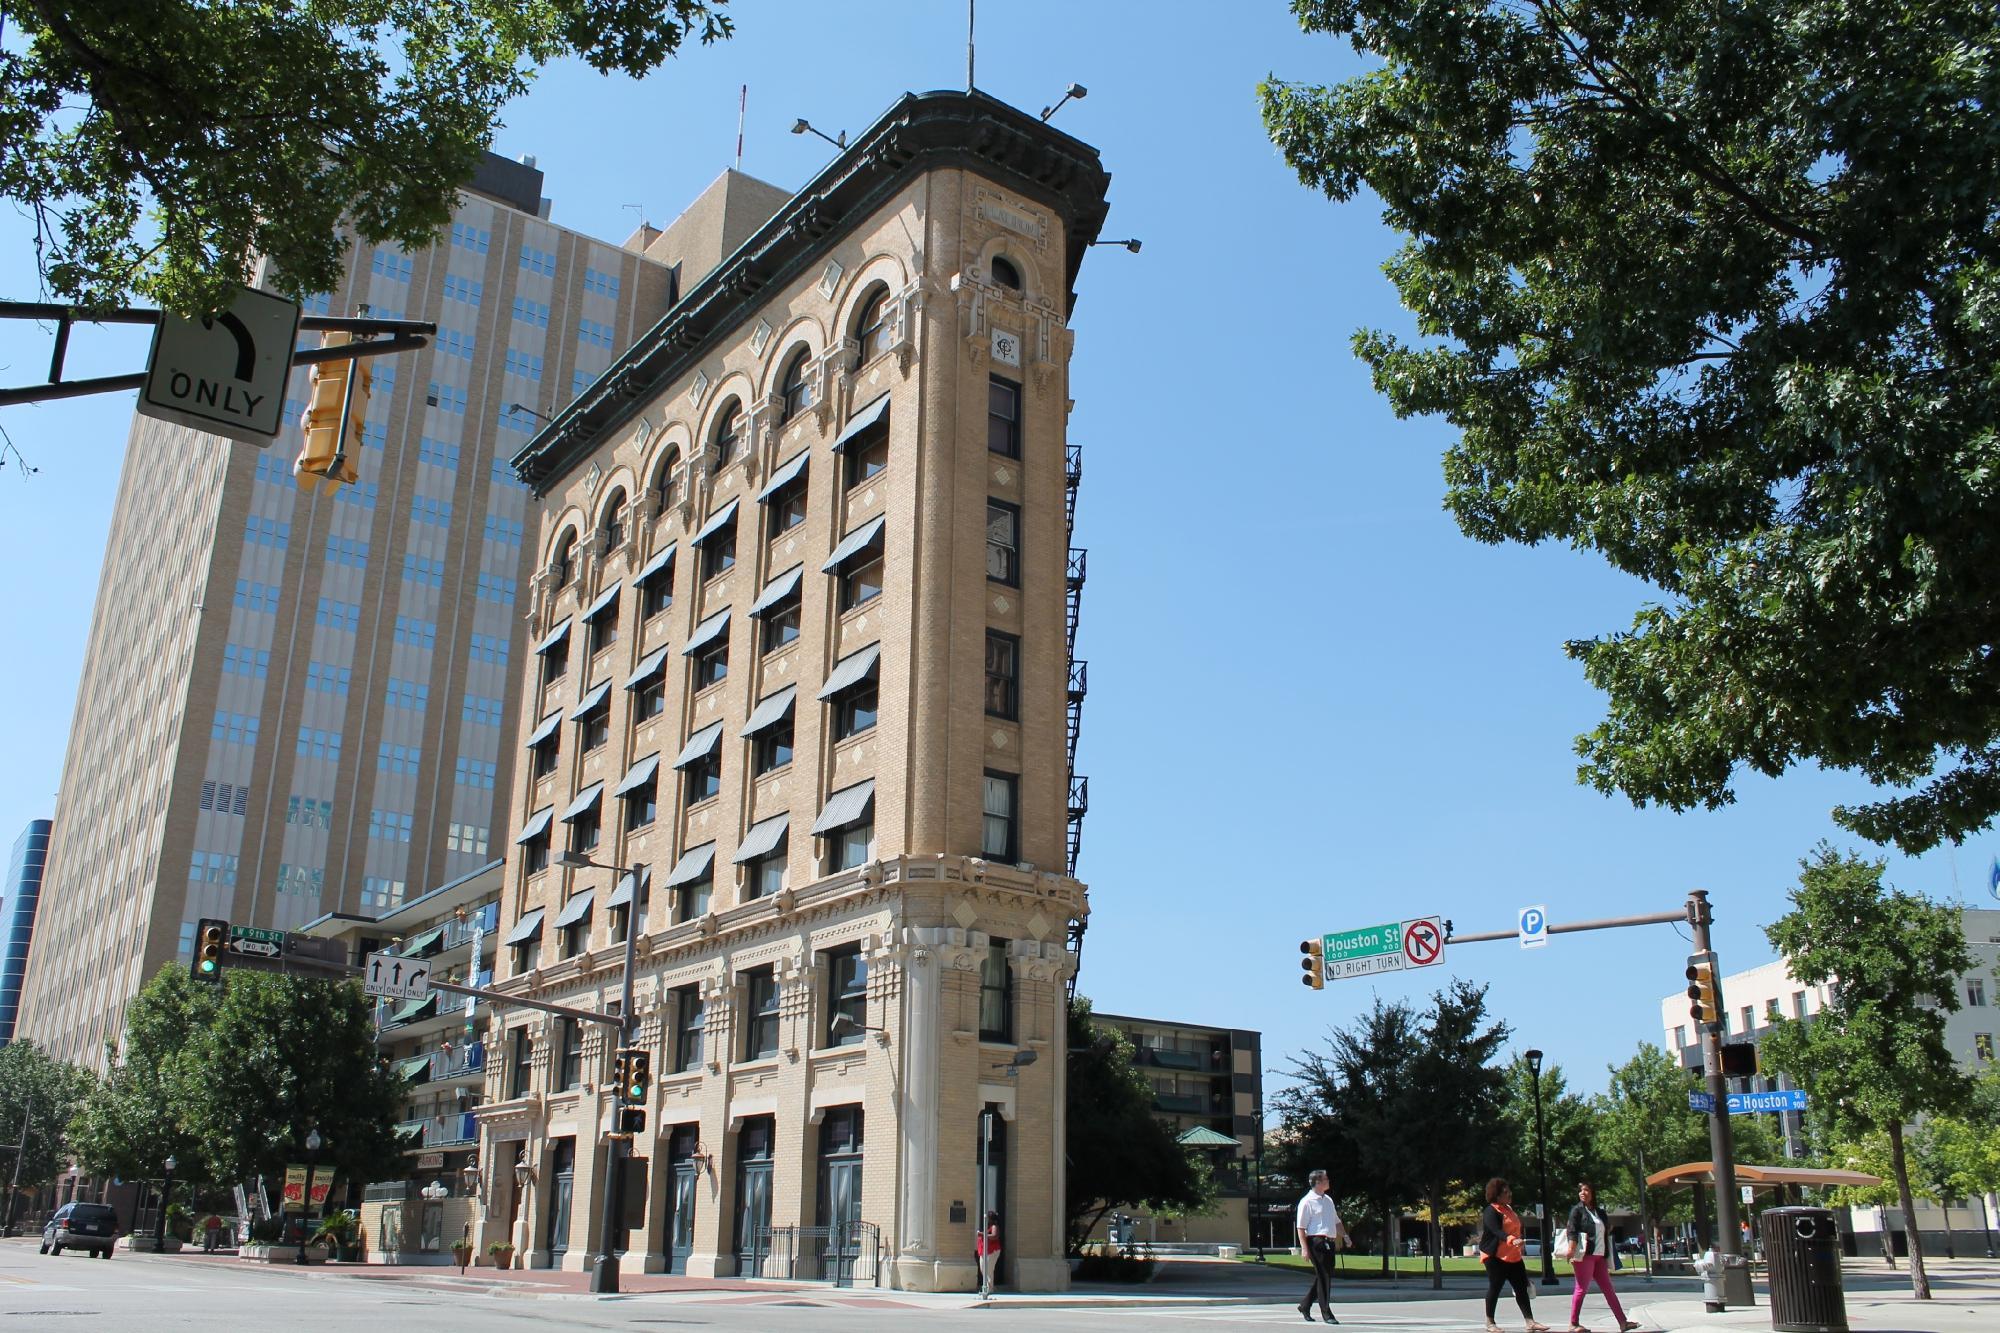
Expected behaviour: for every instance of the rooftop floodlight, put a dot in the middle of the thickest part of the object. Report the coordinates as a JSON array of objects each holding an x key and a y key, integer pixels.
[
  {"x": 1076, "y": 92},
  {"x": 804, "y": 126},
  {"x": 1129, "y": 243}
]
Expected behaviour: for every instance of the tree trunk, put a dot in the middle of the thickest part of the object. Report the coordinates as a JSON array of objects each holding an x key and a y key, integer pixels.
[
  {"x": 1389, "y": 1236},
  {"x": 1920, "y": 1283},
  {"x": 1950, "y": 1246},
  {"x": 1437, "y": 1238}
]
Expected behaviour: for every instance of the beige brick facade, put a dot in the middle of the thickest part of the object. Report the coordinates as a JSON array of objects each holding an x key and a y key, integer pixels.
[{"x": 929, "y": 269}]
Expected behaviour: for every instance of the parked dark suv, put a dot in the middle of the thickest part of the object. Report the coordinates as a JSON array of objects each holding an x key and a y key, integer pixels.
[{"x": 81, "y": 1226}]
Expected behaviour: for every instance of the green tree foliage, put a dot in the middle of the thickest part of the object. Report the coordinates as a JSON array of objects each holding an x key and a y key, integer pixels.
[
  {"x": 1875, "y": 1057},
  {"x": 234, "y": 1081},
  {"x": 1456, "y": 1115},
  {"x": 1713, "y": 291},
  {"x": 1573, "y": 1130},
  {"x": 39, "y": 1095},
  {"x": 1119, "y": 1155},
  {"x": 161, "y": 146},
  {"x": 1343, "y": 1113},
  {"x": 1644, "y": 1125}
]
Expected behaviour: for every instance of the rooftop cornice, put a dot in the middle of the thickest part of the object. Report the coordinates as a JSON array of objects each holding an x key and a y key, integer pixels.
[{"x": 921, "y": 132}]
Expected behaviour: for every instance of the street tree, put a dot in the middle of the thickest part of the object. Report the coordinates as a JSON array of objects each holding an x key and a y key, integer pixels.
[
  {"x": 1875, "y": 1056},
  {"x": 1869, "y": 1154},
  {"x": 39, "y": 1095},
  {"x": 1572, "y": 1134},
  {"x": 1455, "y": 1111},
  {"x": 235, "y": 1080},
  {"x": 1343, "y": 1112},
  {"x": 1646, "y": 1125},
  {"x": 160, "y": 148},
  {"x": 1709, "y": 290},
  {"x": 1119, "y": 1155}
]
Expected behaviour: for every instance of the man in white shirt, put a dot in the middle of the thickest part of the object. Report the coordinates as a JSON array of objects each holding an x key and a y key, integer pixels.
[{"x": 1320, "y": 1229}]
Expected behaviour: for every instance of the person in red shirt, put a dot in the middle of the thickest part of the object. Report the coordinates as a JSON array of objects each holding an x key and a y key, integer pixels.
[
  {"x": 1501, "y": 1251},
  {"x": 987, "y": 1246}
]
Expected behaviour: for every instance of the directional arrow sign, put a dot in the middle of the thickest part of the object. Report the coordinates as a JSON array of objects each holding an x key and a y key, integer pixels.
[
  {"x": 224, "y": 374},
  {"x": 395, "y": 978},
  {"x": 254, "y": 948}
]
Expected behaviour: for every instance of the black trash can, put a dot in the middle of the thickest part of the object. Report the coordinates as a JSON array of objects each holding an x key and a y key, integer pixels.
[{"x": 1802, "y": 1247}]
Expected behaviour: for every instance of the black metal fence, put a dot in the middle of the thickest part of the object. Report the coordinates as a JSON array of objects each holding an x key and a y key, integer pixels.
[{"x": 845, "y": 1254}]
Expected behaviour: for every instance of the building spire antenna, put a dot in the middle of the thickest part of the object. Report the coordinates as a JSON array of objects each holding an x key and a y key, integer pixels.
[
  {"x": 971, "y": 13},
  {"x": 742, "y": 102}
]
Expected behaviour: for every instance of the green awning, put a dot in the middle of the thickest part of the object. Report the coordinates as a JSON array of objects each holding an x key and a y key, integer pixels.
[
  {"x": 410, "y": 1129},
  {"x": 414, "y": 1067},
  {"x": 1201, "y": 1136},
  {"x": 418, "y": 945},
  {"x": 413, "y": 1009}
]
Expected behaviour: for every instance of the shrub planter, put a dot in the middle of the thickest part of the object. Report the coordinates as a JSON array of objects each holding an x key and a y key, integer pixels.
[
  {"x": 146, "y": 1244},
  {"x": 281, "y": 1254}
]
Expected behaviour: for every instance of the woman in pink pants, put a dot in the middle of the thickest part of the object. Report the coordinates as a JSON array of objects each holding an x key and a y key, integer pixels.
[{"x": 1591, "y": 1261}]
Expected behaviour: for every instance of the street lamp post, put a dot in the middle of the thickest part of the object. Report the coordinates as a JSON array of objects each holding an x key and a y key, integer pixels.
[
  {"x": 604, "y": 1268},
  {"x": 1542, "y": 1171},
  {"x": 160, "y": 1223},
  {"x": 313, "y": 1142}
]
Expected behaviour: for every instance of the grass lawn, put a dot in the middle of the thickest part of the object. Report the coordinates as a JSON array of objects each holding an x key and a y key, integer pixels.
[{"x": 1362, "y": 1266}]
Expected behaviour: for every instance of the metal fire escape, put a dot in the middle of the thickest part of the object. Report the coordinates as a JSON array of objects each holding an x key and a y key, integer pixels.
[{"x": 1079, "y": 681}]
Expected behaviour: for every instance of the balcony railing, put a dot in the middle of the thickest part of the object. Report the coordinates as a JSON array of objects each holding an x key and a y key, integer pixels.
[
  {"x": 456, "y": 932},
  {"x": 464, "y": 1060},
  {"x": 445, "y": 1131}
]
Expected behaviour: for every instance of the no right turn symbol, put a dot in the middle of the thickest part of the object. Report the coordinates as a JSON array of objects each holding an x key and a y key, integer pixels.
[{"x": 1423, "y": 941}]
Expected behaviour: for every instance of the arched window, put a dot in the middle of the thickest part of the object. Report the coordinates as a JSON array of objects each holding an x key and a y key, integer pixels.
[
  {"x": 565, "y": 562},
  {"x": 1005, "y": 274},
  {"x": 871, "y": 328},
  {"x": 728, "y": 433},
  {"x": 666, "y": 480},
  {"x": 614, "y": 522},
  {"x": 794, "y": 387}
]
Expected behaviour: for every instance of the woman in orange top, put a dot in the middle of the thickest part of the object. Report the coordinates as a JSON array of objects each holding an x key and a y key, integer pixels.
[{"x": 1500, "y": 1250}]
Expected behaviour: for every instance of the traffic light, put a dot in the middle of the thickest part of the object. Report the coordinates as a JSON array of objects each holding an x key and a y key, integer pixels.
[
  {"x": 1704, "y": 992},
  {"x": 1314, "y": 963},
  {"x": 638, "y": 1078},
  {"x": 631, "y": 1120},
  {"x": 211, "y": 940},
  {"x": 335, "y": 414},
  {"x": 621, "y": 1063}
]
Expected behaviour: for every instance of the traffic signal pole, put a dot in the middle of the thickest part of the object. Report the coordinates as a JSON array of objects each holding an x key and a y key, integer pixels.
[
  {"x": 1733, "y": 1281},
  {"x": 604, "y": 1271}
]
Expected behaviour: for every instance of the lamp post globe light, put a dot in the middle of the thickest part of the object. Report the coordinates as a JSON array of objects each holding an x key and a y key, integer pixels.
[
  {"x": 166, "y": 1192},
  {"x": 1542, "y": 1173},
  {"x": 313, "y": 1142}
]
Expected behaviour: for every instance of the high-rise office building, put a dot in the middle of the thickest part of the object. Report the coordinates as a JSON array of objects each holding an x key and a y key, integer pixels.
[
  {"x": 295, "y": 703},
  {"x": 802, "y": 692},
  {"x": 23, "y": 890}
]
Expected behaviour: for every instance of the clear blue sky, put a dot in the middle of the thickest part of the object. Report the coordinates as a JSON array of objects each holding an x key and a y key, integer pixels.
[{"x": 1313, "y": 703}]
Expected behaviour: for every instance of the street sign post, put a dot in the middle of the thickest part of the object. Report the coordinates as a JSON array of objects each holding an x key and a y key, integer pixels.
[
  {"x": 395, "y": 978},
  {"x": 225, "y": 374},
  {"x": 1534, "y": 927}
]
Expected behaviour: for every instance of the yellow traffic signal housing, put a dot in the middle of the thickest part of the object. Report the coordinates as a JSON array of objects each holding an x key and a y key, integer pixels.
[
  {"x": 211, "y": 941},
  {"x": 631, "y": 1121},
  {"x": 1704, "y": 989},
  {"x": 336, "y": 410},
  {"x": 621, "y": 1064},
  {"x": 638, "y": 1078},
  {"x": 1314, "y": 963}
]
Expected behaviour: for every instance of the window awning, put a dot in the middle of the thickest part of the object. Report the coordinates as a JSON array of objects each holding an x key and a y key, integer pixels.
[
  {"x": 849, "y": 805},
  {"x": 527, "y": 928},
  {"x": 545, "y": 729},
  {"x": 590, "y": 701},
  {"x": 707, "y": 632},
  {"x": 554, "y": 636},
  {"x": 661, "y": 559},
  {"x": 622, "y": 895},
  {"x": 417, "y": 945},
  {"x": 765, "y": 836},
  {"x": 412, "y": 1067},
  {"x": 605, "y": 601},
  {"x": 410, "y": 1131},
  {"x": 695, "y": 863},
  {"x": 851, "y": 670},
  {"x": 778, "y": 591},
  {"x": 786, "y": 474},
  {"x": 414, "y": 1009},
  {"x": 861, "y": 422},
  {"x": 771, "y": 709},
  {"x": 700, "y": 745},
  {"x": 638, "y": 775},
  {"x": 586, "y": 801},
  {"x": 648, "y": 668},
  {"x": 575, "y": 910},
  {"x": 854, "y": 543},
  {"x": 537, "y": 826},
  {"x": 717, "y": 521},
  {"x": 1201, "y": 1136}
]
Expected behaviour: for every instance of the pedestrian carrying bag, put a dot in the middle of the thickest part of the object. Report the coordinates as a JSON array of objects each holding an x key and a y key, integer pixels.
[{"x": 1565, "y": 1246}]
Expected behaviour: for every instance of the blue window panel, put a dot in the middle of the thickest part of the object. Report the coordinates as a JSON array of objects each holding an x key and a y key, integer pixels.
[
  {"x": 475, "y": 239},
  {"x": 592, "y": 334},
  {"x": 493, "y": 588},
  {"x": 238, "y": 660},
  {"x": 437, "y": 453},
  {"x": 503, "y": 531},
  {"x": 475, "y": 773},
  {"x": 445, "y": 398},
  {"x": 489, "y": 648},
  {"x": 425, "y": 572},
  {"x": 267, "y": 532},
  {"x": 347, "y": 551},
  {"x": 604, "y": 284},
  {"x": 522, "y": 364},
  {"x": 451, "y": 342},
  {"x": 416, "y": 633},
  {"x": 390, "y": 264},
  {"x": 429, "y": 509},
  {"x": 317, "y": 744},
  {"x": 338, "y": 615},
  {"x": 256, "y": 596},
  {"x": 531, "y": 312},
  {"x": 538, "y": 261},
  {"x": 325, "y": 678}
]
